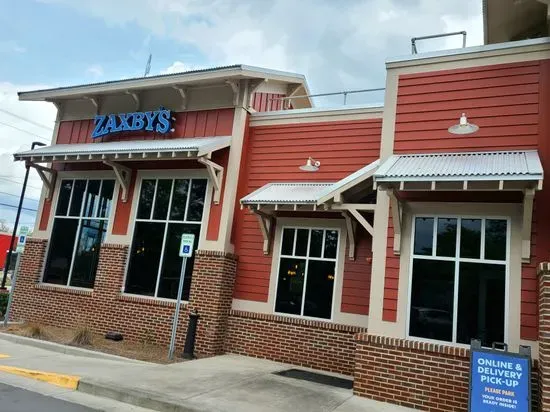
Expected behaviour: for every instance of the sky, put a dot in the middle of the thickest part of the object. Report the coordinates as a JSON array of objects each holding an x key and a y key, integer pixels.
[{"x": 337, "y": 44}]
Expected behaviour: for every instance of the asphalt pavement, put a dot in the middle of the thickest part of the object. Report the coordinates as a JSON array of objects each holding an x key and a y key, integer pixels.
[{"x": 14, "y": 399}]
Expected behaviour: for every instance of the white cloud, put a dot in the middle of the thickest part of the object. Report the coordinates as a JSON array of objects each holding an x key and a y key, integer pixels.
[
  {"x": 95, "y": 70},
  {"x": 11, "y": 46}
]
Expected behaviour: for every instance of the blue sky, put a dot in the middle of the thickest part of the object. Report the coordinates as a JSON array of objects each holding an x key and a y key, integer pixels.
[{"x": 338, "y": 45}]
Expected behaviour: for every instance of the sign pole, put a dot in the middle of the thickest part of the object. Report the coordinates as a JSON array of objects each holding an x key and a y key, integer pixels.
[{"x": 177, "y": 312}]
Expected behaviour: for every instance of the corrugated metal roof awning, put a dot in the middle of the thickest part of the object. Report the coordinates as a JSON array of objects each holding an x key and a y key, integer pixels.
[
  {"x": 461, "y": 167},
  {"x": 287, "y": 193},
  {"x": 126, "y": 150}
]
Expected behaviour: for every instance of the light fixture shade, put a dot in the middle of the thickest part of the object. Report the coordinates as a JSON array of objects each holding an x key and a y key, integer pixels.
[
  {"x": 463, "y": 127},
  {"x": 311, "y": 165}
]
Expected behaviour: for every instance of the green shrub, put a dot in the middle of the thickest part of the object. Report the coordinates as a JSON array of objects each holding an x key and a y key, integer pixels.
[{"x": 3, "y": 303}]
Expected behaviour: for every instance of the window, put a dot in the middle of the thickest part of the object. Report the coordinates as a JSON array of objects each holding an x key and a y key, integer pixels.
[
  {"x": 459, "y": 279},
  {"x": 307, "y": 268},
  {"x": 80, "y": 223},
  {"x": 167, "y": 208}
]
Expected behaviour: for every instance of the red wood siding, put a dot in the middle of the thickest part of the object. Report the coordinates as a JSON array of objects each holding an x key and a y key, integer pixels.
[
  {"x": 274, "y": 154},
  {"x": 510, "y": 103},
  {"x": 357, "y": 276},
  {"x": 188, "y": 124},
  {"x": 267, "y": 102}
]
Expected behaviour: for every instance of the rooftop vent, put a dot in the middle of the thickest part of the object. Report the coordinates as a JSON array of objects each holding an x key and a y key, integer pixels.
[{"x": 437, "y": 36}]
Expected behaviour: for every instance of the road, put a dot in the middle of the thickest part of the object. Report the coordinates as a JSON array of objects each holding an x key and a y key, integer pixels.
[{"x": 13, "y": 399}]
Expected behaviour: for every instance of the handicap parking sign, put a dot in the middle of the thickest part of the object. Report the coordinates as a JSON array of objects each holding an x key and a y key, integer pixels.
[{"x": 186, "y": 245}]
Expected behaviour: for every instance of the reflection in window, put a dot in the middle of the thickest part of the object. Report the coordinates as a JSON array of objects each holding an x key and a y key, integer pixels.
[
  {"x": 476, "y": 276},
  {"x": 167, "y": 209},
  {"x": 306, "y": 277},
  {"x": 80, "y": 223}
]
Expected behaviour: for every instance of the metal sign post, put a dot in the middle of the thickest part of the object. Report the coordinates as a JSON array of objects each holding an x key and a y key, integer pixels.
[
  {"x": 12, "y": 289},
  {"x": 185, "y": 251}
]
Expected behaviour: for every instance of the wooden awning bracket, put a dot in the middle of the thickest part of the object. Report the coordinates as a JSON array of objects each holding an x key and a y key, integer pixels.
[
  {"x": 351, "y": 227},
  {"x": 267, "y": 224},
  {"x": 215, "y": 171},
  {"x": 49, "y": 181},
  {"x": 528, "y": 197},
  {"x": 123, "y": 175},
  {"x": 182, "y": 91},
  {"x": 397, "y": 217}
]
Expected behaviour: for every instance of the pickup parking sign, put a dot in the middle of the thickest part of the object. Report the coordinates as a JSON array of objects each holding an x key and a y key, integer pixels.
[{"x": 499, "y": 381}]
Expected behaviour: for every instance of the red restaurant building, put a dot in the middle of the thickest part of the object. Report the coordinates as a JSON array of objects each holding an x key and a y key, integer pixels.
[{"x": 404, "y": 244}]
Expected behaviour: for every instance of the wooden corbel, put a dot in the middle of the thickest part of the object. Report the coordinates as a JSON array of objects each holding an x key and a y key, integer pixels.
[
  {"x": 123, "y": 175},
  {"x": 215, "y": 171},
  {"x": 135, "y": 97},
  {"x": 397, "y": 217},
  {"x": 183, "y": 94},
  {"x": 528, "y": 197},
  {"x": 267, "y": 223},
  {"x": 234, "y": 84},
  {"x": 49, "y": 181},
  {"x": 352, "y": 230}
]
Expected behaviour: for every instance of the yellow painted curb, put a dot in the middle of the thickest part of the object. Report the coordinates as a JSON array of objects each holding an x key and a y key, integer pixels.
[
  {"x": 2, "y": 356},
  {"x": 65, "y": 381}
]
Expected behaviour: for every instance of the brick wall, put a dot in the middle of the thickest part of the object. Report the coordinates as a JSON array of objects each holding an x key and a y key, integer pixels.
[
  {"x": 544, "y": 336},
  {"x": 105, "y": 308},
  {"x": 315, "y": 344}
]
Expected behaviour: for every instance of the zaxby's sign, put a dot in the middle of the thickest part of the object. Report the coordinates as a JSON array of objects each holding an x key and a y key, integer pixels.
[{"x": 159, "y": 121}]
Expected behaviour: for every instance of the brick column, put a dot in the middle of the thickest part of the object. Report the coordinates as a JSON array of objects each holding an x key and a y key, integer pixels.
[
  {"x": 212, "y": 294},
  {"x": 544, "y": 336}
]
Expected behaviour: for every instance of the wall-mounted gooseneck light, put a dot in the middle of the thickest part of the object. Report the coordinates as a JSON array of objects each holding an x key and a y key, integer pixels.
[
  {"x": 311, "y": 165},
  {"x": 463, "y": 127}
]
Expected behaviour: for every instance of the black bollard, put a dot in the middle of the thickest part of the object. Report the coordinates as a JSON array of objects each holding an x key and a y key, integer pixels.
[{"x": 189, "y": 348}]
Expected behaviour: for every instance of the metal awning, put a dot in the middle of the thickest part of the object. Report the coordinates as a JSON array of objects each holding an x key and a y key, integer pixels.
[
  {"x": 292, "y": 193},
  {"x": 439, "y": 170},
  {"x": 115, "y": 154}
]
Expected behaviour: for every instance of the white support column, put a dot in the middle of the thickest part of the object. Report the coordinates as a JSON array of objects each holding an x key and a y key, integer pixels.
[{"x": 123, "y": 175}]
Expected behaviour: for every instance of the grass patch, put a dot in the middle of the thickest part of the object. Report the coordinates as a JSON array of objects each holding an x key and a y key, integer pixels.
[
  {"x": 83, "y": 336},
  {"x": 35, "y": 330}
]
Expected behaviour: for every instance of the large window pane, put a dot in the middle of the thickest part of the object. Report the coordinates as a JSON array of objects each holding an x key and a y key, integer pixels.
[
  {"x": 470, "y": 238},
  {"x": 432, "y": 299},
  {"x": 481, "y": 303},
  {"x": 164, "y": 187},
  {"x": 316, "y": 243},
  {"x": 77, "y": 198},
  {"x": 319, "y": 289},
  {"x": 60, "y": 252},
  {"x": 171, "y": 266},
  {"x": 179, "y": 199},
  {"x": 495, "y": 239},
  {"x": 331, "y": 243},
  {"x": 145, "y": 258},
  {"x": 288, "y": 242},
  {"x": 146, "y": 199},
  {"x": 423, "y": 235},
  {"x": 92, "y": 233},
  {"x": 196, "y": 200},
  {"x": 446, "y": 237},
  {"x": 106, "y": 201},
  {"x": 302, "y": 236},
  {"x": 290, "y": 286},
  {"x": 64, "y": 197},
  {"x": 92, "y": 198}
]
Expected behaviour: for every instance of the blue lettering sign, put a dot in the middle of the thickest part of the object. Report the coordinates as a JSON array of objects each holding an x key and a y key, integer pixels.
[
  {"x": 159, "y": 121},
  {"x": 499, "y": 382}
]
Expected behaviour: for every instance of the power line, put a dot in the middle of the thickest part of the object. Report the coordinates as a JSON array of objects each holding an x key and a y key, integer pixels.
[
  {"x": 15, "y": 181},
  {"x": 25, "y": 131},
  {"x": 11, "y": 194},
  {"x": 26, "y": 119},
  {"x": 15, "y": 207}
]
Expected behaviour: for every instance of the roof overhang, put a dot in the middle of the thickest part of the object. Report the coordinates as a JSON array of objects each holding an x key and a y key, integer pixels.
[{"x": 487, "y": 171}]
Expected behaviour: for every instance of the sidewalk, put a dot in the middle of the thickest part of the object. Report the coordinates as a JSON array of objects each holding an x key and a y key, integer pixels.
[{"x": 223, "y": 383}]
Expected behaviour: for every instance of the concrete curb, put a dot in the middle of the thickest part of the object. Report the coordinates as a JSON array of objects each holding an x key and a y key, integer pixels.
[
  {"x": 151, "y": 400},
  {"x": 65, "y": 381},
  {"x": 65, "y": 349}
]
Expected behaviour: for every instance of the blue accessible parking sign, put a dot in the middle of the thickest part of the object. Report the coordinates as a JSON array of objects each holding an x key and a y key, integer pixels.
[
  {"x": 186, "y": 245},
  {"x": 499, "y": 381}
]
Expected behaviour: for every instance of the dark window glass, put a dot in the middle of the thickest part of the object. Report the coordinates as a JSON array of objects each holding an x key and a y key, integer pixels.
[
  {"x": 78, "y": 196},
  {"x": 146, "y": 199},
  {"x": 302, "y": 236},
  {"x": 145, "y": 258},
  {"x": 60, "y": 252},
  {"x": 319, "y": 289},
  {"x": 470, "y": 238},
  {"x": 316, "y": 243},
  {"x": 290, "y": 286},
  {"x": 481, "y": 303},
  {"x": 446, "y": 237},
  {"x": 92, "y": 198},
  {"x": 423, "y": 235},
  {"x": 179, "y": 199},
  {"x": 106, "y": 200},
  {"x": 288, "y": 242},
  {"x": 171, "y": 266},
  {"x": 92, "y": 233},
  {"x": 196, "y": 200},
  {"x": 331, "y": 243},
  {"x": 495, "y": 239},
  {"x": 64, "y": 197},
  {"x": 432, "y": 299},
  {"x": 162, "y": 199}
]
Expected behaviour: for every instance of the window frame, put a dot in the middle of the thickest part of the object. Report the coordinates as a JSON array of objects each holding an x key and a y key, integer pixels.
[
  {"x": 157, "y": 175},
  {"x": 280, "y": 256},
  {"x": 77, "y": 175},
  {"x": 456, "y": 260}
]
